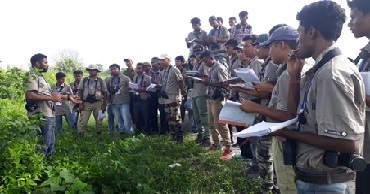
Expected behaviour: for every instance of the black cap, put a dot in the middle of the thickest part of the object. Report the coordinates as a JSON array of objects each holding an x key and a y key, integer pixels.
[
  {"x": 252, "y": 37},
  {"x": 208, "y": 54},
  {"x": 232, "y": 42},
  {"x": 195, "y": 20},
  {"x": 198, "y": 48}
]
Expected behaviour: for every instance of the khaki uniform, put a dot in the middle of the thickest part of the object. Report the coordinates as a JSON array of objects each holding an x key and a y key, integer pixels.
[
  {"x": 170, "y": 85},
  {"x": 129, "y": 73},
  {"x": 96, "y": 88},
  {"x": 65, "y": 108},
  {"x": 217, "y": 74},
  {"x": 219, "y": 32},
  {"x": 141, "y": 104},
  {"x": 366, "y": 149},
  {"x": 162, "y": 117},
  {"x": 199, "y": 102},
  {"x": 123, "y": 94},
  {"x": 201, "y": 36}
]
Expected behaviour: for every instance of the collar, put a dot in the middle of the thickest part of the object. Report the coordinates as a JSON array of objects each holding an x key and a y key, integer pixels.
[
  {"x": 35, "y": 72},
  {"x": 319, "y": 58}
]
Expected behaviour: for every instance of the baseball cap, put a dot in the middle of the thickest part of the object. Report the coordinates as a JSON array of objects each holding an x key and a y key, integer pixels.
[
  {"x": 127, "y": 60},
  {"x": 261, "y": 38},
  {"x": 280, "y": 34},
  {"x": 232, "y": 42},
  {"x": 92, "y": 67},
  {"x": 165, "y": 56},
  {"x": 147, "y": 64},
  {"x": 240, "y": 46}
]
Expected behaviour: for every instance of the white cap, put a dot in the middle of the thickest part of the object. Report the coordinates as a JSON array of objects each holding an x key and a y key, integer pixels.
[{"x": 165, "y": 56}]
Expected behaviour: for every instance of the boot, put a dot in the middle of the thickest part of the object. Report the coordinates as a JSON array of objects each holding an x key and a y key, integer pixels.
[{"x": 205, "y": 143}]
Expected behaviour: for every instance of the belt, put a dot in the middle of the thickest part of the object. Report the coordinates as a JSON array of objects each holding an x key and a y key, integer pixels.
[{"x": 324, "y": 179}]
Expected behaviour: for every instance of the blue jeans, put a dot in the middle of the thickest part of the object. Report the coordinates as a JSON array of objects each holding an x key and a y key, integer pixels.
[
  {"x": 46, "y": 135},
  {"x": 123, "y": 117},
  {"x": 75, "y": 115},
  {"x": 111, "y": 125},
  {"x": 59, "y": 122},
  {"x": 310, "y": 188}
]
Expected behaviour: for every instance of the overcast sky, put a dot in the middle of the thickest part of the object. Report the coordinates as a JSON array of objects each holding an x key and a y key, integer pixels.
[{"x": 108, "y": 31}]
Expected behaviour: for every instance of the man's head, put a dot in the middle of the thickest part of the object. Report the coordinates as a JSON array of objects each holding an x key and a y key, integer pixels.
[
  {"x": 281, "y": 42},
  {"x": 93, "y": 70},
  {"x": 193, "y": 59},
  {"x": 139, "y": 68},
  {"x": 78, "y": 75},
  {"x": 198, "y": 50},
  {"x": 249, "y": 46},
  {"x": 213, "y": 21},
  {"x": 272, "y": 30},
  {"x": 114, "y": 69},
  {"x": 262, "y": 51},
  {"x": 165, "y": 60},
  {"x": 319, "y": 23},
  {"x": 232, "y": 21},
  {"x": 147, "y": 67},
  {"x": 230, "y": 45},
  {"x": 60, "y": 77},
  {"x": 195, "y": 22},
  {"x": 129, "y": 63},
  {"x": 243, "y": 15},
  {"x": 220, "y": 21},
  {"x": 40, "y": 62},
  {"x": 155, "y": 63},
  {"x": 179, "y": 62},
  {"x": 360, "y": 18},
  {"x": 208, "y": 58}
]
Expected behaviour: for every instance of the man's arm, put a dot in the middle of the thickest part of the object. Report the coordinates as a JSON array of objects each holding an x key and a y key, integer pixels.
[
  {"x": 33, "y": 96},
  {"x": 320, "y": 141},
  {"x": 259, "y": 94},
  {"x": 293, "y": 95},
  {"x": 251, "y": 107}
]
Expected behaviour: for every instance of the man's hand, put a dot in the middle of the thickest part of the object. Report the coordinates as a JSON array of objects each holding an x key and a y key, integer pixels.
[
  {"x": 56, "y": 97},
  {"x": 249, "y": 106},
  {"x": 264, "y": 87},
  {"x": 235, "y": 88},
  {"x": 279, "y": 132},
  {"x": 213, "y": 38},
  {"x": 294, "y": 64},
  {"x": 75, "y": 99}
]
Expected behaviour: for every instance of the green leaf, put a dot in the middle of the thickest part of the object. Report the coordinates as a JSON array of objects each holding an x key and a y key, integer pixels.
[
  {"x": 78, "y": 185},
  {"x": 50, "y": 181},
  {"x": 57, "y": 187}
]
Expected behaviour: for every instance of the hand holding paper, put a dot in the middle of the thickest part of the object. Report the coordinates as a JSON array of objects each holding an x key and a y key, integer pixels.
[
  {"x": 247, "y": 75},
  {"x": 231, "y": 114}
]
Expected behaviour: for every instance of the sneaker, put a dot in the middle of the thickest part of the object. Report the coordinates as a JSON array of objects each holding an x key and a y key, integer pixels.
[
  {"x": 213, "y": 147},
  {"x": 205, "y": 143},
  {"x": 228, "y": 154},
  {"x": 199, "y": 139},
  {"x": 251, "y": 172}
]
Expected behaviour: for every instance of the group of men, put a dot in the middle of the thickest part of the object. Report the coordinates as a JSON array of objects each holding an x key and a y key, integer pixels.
[{"x": 318, "y": 155}]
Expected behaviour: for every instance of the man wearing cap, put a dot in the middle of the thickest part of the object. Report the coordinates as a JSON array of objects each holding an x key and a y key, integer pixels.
[
  {"x": 172, "y": 88},
  {"x": 232, "y": 23},
  {"x": 232, "y": 55},
  {"x": 130, "y": 72},
  {"x": 281, "y": 42},
  {"x": 199, "y": 96},
  {"x": 93, "y": 93},
  {"x": 118, "y": 89},
  {"x": 78, "y": 75},
  {"x": 164, "y": 129},
  {"x": 218, "y": 36},
  {"x": 180, "y": 65},
  {"x": 40, "y": 102},
  {"x": 153, "y": 100},
  {"x": 360, "y": 27},
  {"x": 216, "y": 77},
  {"x": 239, "y": 31},
  {"x": 197, "y": 36},
  {"x": 141, "y": 101},
  {"x": 112, "y": 126}
]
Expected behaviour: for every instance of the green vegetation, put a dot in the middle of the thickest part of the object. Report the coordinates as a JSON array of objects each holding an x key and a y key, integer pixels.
[{"x": 106, "y": 163}]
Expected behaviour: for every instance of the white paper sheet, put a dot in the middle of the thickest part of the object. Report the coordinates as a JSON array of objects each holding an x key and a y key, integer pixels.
[
  {"x": 151, "y": 88},
  {"x": 231, "y": 114},
  {"x": 196, "y": 78},
  {"x": 191, "y": 73},
  {"x": 101, "y": 115},
  {"x": 366, "y": 78},
  {"x": 133, "y": 86},
  {"x": 244, "y": 86},
  {"x": 247, "y": 75},
  {"x": 264, "y": 128}
]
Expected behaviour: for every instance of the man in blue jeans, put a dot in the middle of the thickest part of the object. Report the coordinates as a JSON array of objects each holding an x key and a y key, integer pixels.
[
  {"x": 40, "y": 102},
  {"x": 118, "y": 90},
  {"x": 62, "y": 108},
  {"x": 74, "y": 86}
]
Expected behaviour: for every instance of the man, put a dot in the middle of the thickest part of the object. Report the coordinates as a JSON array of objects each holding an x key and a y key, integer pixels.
[
  {"x": 172, "y": 87},
  {"x": 232, "y": 55},
  {"x": 232, "y": 23},
  {"x": 112, "y": 126},
  {"x": 141, "y": 101},
  {"x": 360, "y": 27},
  {"x": 216, "y": 77},
  {"x": 199, "y": 96},
  {"x": 180, "y": 63},
  {"x": 198, "y": 36},
  {"x": 130, "y": 72},
  {"x": 241, "y": 30},
  {"x": 62, "y": 108},
  {"x": 281, "y": 42},
  {"x": 220, "y": 21},
  {"x": 40, "y": 101},
  {"x": 332, "y": 94},
  {"x": 164, "y": 128},
  {"x": 153, "y": 100},
  {"x": 74, "y": 85},
  {"x": 93, "y": 92},
  {"x": 118, "y": 89},
  {"x": 218, "y": 36},
  {"x": 155, "y": 64}
]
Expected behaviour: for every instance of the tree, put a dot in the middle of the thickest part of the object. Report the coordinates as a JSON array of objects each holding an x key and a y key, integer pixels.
[{"x": 67, "y": 61}]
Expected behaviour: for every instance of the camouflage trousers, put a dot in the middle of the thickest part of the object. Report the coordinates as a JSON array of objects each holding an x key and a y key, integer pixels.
[
  {"x": 265, "y": 163},
  {"x": 173, "y": 116}
]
